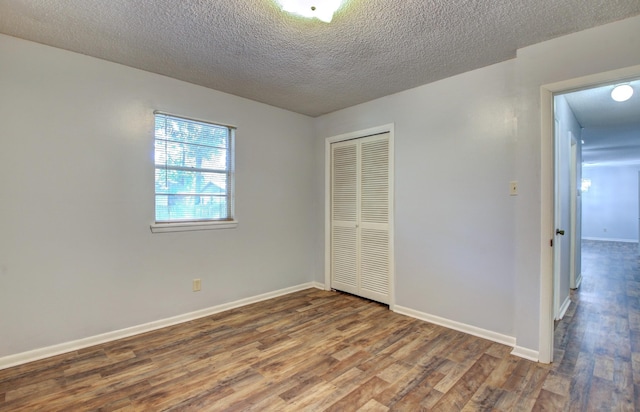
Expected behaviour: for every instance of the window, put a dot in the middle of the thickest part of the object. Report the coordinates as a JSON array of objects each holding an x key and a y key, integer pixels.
[{"x": 193, "y": 173}]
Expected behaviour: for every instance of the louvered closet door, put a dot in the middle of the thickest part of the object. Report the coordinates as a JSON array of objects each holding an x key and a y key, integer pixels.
[
  {"x": 374, "y": 218},
  {"x": 360, "y": 217},
  {"x": 344, "y": 216}
]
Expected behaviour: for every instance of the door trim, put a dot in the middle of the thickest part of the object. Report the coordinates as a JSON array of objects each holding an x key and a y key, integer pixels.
[
  {"x": 576, "y": 244},
  {"x": 545, "y": 353},
  {"x": 557, "y": 217},
  {"x": 387, "y": 128}
]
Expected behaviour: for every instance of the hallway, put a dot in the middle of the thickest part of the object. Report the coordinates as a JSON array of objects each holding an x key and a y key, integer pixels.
[{"x": 597, "y": 347}]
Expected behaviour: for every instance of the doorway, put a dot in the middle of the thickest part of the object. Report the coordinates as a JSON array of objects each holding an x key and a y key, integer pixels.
[
  {"x": 596, "y": 87},
  {"x": 359, "y": 247},
  {"x": 360, "y": 217}
]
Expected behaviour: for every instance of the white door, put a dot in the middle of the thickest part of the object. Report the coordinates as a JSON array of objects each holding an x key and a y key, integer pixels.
[
  {"x": 360, "y": 205},
  {"x": 562, "y": 219}
]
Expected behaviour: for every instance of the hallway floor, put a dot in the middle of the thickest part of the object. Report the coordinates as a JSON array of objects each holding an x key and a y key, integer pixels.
[{"x": 597, "y": 343}]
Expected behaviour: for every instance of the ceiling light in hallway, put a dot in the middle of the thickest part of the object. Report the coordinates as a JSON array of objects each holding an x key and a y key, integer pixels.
[
  {"x": 622, "y": 92},
  {"x": 320, "y": 9}
]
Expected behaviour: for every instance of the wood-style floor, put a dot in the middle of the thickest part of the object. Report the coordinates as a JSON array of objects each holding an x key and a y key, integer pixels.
[{"x": 316, "y": 350}]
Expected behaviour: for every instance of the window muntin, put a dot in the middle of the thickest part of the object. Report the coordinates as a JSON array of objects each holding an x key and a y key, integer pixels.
[{"x": 193, "y": 170}]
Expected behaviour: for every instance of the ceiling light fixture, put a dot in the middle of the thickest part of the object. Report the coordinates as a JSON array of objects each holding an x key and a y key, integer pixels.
[
  {"x": 622, "y": 93},
  {"x": 320, "y": 9}
]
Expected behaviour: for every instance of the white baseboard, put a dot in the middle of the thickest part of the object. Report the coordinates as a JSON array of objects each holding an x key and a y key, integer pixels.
[
  {"x": 519, "y": 351},
  {"x": 525, "y": 353},
  {"x": 578, "y": 280},
  {"x": 563, "y": 308},
  {"x": 609, "y": 239},
  {"x": 462, "y": 327},
  {"x": 318, "y": 285},
  {"x": 41, "y": 353}
]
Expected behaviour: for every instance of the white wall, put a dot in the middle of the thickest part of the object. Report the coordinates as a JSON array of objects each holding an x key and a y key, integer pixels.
[
  {"x": 454, "y": 234},
  {"x": 77, "y": 257},
  {"x": 611, "y": 204}
]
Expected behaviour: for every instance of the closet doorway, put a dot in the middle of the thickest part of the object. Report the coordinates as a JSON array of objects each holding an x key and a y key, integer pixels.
[{"x": 360, "y": 200}]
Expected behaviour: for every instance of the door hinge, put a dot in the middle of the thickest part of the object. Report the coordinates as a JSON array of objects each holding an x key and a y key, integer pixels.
[{"x": 551, "y": 242}]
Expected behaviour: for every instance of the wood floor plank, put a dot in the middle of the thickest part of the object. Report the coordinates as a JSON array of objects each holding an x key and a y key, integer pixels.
[
  {"x": 345, "y": 364},
  {"x": 534, "y": 383},
  {"x": 550, "y": 401},
  {"x": 623, "y": 393},
  {"x": 395, "y": 371},
  {"x": 457, "y": 396},
  {"x": 416, "y": 377},
  {"x": 248, "y": 397},
  {"x": 269, "y": 403},
  {"x": 373, "y": 406},
  {"x": 344, "y": 384},
  {"x": 359, "y": 396},
  {"x": 43, "y": 387},
  {"x": 581, "y": 382},
  {"x": 557, "y": 383},
  {"x": 317, "y": 350},
  {"x": 485, "y": 398},
  {"x": 410, "y": 396},
  {"x": 312, "y": 399},
  {"x": 603, "y": 367}
]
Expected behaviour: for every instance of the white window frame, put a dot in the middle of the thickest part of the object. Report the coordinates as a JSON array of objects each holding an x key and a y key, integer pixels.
[{"x": 212, "y": 224}]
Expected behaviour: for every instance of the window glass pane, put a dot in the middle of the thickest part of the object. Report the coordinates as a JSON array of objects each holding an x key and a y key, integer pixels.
[
  {"x": 192, "y": 175},
  {"x": 191, "y": 131},
  {"x": 189, "y": 207},
  {"x": 188, "y": 182},
  {"x": 189, "y": 155}
]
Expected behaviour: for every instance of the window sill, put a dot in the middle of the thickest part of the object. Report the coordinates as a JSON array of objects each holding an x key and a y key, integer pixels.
[{"x": 191, "y": 226}]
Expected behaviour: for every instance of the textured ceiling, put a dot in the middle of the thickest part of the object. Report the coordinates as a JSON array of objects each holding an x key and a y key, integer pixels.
[{"x": 251, "y": 49}]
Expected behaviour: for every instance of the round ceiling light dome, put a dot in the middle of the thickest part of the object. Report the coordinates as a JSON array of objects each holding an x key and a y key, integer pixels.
[
  {"x": 321, "y": 10},
  {"x": 622, "y": 92}
]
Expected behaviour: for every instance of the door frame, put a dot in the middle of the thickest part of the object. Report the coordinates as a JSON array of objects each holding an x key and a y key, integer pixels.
[
  {"x": 557, "y": 216},
  {"x": 576, "y": 244},
  {"x": 387, "y": 128},
  {"x": 547, "y": 232},
  {"x": 561, "y": 251}
]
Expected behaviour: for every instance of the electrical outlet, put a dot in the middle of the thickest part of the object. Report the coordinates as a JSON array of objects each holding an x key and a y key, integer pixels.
[
  {"x": 197, "y": 285},
  {"x": 513, "y": 188}
]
